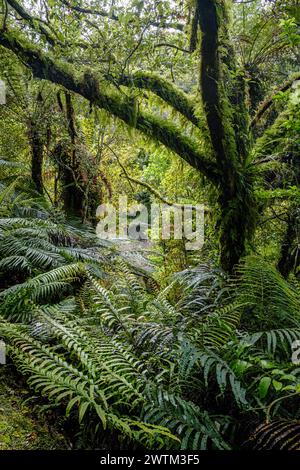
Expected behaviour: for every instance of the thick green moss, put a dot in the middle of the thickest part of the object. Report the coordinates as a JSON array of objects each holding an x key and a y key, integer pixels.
[
  {"x": 167, "y": 91},
  {"x": 22, "y": 427}
]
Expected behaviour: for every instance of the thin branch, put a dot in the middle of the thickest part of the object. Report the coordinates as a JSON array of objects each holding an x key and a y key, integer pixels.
[
  {"x": 131, "y": 179},
  {"x": 167, "y": 44},
  {"x": 114, "y": 17},
  {"x": 35, "y": 23},
  {"x": 133, "y": 51},
  {"x": 263, "y": 108},
  {"x": 153, "y": 191},
  {"x": 118, "y": 161}
]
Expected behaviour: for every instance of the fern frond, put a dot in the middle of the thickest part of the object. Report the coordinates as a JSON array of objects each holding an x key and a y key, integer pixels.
[
  {"x": 193, "y": 426},
  {"x": 278, "y": 435},
  {"x": 272, "y": 340}
]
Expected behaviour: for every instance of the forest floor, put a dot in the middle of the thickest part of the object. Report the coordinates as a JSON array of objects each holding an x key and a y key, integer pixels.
[{"x": 24, "y": 424}]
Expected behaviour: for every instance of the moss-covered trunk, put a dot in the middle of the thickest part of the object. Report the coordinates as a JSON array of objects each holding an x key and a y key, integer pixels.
[
  {"x": 223, "y": 90},
  {"x": 72, "y": 194},
  {"x": 289, "y": 259},
  {"x": 236, "y": 223},
  {"x": 81, "y": 188},
  {"x": 37, "y": 156}
]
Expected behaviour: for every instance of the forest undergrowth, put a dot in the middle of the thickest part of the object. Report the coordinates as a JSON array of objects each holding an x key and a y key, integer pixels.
[{"x": 97, "y": 338}]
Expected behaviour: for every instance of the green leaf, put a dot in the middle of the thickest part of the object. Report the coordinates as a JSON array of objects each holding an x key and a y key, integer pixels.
[
  {"x": 70, "y": 405},
  {"x": 277, "y": 385},
  {"x": 101, "y": 414},
  {"x": 82, "y": 410},
  {"x": 264, "y": 386}
]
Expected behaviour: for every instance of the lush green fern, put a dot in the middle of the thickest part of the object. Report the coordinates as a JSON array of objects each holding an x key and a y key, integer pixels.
[{"x": 85, "y": 329}]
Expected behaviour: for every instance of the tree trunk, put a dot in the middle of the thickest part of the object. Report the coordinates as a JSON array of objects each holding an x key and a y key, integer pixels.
[
  {"x": 223, "y": 92},
  {"x": 37, "y": 156},
  {"x": 236, "y": 227},
  {"x": 72, "y": 195},
  {"x": 289, "y": 254},
  {"x": 81, "y": 190}
]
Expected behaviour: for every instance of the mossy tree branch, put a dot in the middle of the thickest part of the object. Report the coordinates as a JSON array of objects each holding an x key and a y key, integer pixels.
[
  {"x": 87, "y": 85},
  {"x": 168, "y": 92}
]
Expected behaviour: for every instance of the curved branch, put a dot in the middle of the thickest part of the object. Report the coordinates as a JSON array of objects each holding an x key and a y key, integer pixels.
[
  {"x": 41, "y": 27},
  {"x": 139, "y": 182},
  {"x": 112, "y": 16},
  {"x": 167, "y": 44},
  {"x": 89, "y": 11},
  {"x": 168, "y": 92},
  {"x": 151, "y": 190},
  {"x": 86, "y": 85},
  {"x": 263, "y": 108},
  {"x": 35, "y": 23}
]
